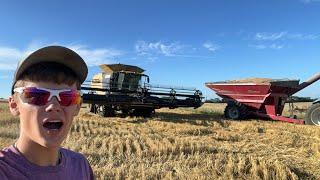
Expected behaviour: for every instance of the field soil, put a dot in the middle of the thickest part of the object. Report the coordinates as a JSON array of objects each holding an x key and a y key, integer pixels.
[{"x": 188, "y": 143}]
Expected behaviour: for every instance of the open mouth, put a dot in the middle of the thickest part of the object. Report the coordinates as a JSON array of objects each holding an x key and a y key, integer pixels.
[{"x": 53, "y": 125}]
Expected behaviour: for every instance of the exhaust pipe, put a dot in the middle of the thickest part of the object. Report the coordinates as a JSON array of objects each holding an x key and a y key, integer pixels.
[{"x": 305, "y": 84}]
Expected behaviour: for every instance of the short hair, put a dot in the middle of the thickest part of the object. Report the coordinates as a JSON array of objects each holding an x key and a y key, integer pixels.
[{"x": 49, "y": 72}]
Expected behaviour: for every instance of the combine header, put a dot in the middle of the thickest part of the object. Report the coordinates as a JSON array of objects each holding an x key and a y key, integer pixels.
[
  {"x": 264, "y": 98},
  {"x": 125, "y": 90}
]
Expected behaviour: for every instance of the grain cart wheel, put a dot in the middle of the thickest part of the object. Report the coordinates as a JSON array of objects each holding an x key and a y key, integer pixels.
[
  {"x": 235, "y": 111},
  {"x": 313, "y": 115}
]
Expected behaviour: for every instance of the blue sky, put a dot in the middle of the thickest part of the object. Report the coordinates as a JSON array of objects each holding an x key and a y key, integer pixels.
[{"x": 178, "y": 43}]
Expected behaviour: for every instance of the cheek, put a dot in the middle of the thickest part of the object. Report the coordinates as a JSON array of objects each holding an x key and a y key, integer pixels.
[
  {"x": 27, "y": 110},
  {"x": 29, "y": 116},
  {"x": 70, "y": 112},
  {"x": 68, "y": 117}
]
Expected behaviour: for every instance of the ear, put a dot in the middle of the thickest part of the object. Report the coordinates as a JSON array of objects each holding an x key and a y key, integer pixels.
[{"x": 13, "y": 106}]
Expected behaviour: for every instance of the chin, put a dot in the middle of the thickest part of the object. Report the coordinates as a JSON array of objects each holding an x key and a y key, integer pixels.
[
  {"x": 51, "y": 144},
  {"x": 52, "y": 139}
]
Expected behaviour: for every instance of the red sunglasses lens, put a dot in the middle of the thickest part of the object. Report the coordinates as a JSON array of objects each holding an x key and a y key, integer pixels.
[
  {"x": 36, "y": 96},
  {"x": 69, "y": 98}
]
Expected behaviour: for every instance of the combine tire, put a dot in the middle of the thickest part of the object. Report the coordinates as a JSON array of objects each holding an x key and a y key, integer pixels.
[
  {"x": 148, "y": 113},
  {"x": 106, "y": 111},
  {"x": 313, "y": 115},
  {"x": 235, "y": 111},
  {"x": 92, "y": 108},
  {"x": 143, "y": 112}
]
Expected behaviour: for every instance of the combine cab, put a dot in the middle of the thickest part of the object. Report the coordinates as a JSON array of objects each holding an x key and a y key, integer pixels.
[{"x": 125, "y": 90}]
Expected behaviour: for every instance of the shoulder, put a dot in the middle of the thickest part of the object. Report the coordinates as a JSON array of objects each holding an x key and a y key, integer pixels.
[
  {"x": 10, "y": 165},
  {"x": 8, "y": 156},
  {"x": 7, "y": 153},
  {"x": 71, "y": 154},
  {"x": 77, "y": 161},
  {"x": 3, "y": 161},
  {"x": 3, "y": 152}
]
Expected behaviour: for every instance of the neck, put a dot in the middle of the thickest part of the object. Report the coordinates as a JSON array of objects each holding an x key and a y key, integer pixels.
[{"x": 37, "y": 154}]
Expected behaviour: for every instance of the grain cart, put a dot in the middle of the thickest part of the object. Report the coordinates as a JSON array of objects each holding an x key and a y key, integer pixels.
[
  {"x": 125, "y": 90},
  {"x": 264, "y": 98}
]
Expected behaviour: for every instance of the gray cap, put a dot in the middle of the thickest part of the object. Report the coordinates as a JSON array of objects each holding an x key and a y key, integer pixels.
[{"x": 58, "y": 54}]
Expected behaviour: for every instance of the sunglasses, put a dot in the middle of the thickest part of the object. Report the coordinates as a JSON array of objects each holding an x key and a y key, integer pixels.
[{"x": 41, "y": 96}]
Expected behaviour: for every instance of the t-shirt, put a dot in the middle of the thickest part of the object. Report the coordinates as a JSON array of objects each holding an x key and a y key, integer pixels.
[{"x": 13, "y": 165}]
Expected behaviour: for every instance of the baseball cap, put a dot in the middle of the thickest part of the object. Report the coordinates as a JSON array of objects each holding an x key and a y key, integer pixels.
[{"x": 57, "y": 54}]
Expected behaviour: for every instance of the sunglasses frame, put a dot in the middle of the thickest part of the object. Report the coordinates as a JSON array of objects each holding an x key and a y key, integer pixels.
[{"x": 53, "y": 92}]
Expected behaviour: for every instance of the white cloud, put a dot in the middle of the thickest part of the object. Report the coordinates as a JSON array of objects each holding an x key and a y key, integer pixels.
[
  {"x": 10, "y": 56},
  {"x": 153, "y": 50},
  {"x": 309, "y": 1},
  {"x": 276, "y": 46},
  {"x": 285, "y": 35},
  {"x": 269, "y": 36},
  {"x": 264, "y": 46},
  {"x": 157, "y": 48},
  {"x": 303, "y": 36},
  {"x": 258, "y": 46},
  {"x": 210, "y": 46},
  {"x": 4, "y": 77},
  {"x": 98, "y": 56}
]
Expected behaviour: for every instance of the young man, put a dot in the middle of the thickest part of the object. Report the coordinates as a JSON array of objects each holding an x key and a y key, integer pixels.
[{"x": 46, "y": 97}]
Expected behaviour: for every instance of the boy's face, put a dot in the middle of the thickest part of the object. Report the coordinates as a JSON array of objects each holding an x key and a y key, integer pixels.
[{"x": 38, "y": 123}]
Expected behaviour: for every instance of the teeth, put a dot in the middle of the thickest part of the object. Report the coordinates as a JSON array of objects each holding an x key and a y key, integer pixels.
[{"x": 54, "y": 121}]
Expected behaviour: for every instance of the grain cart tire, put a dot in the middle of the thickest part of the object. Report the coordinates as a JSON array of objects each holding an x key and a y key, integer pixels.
[
  {"x": 235, "y": 111},
  {"x": 313, "y": 115},
  {"x": 106, "y": 111}
]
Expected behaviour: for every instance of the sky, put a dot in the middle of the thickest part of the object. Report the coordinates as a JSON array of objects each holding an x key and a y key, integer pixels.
[{"x": 180, "y": 43}]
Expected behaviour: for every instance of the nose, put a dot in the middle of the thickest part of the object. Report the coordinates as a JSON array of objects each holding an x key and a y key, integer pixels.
[{"x": 53, "y": 105}]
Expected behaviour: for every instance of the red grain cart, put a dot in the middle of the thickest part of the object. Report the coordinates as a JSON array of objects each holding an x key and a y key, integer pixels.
[{"x": 264, "y": 99}]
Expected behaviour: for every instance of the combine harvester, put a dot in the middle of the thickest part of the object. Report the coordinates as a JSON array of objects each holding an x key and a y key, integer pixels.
[
  {"x": 125, "y": 90},
  {"x": 264, "y": 98}
]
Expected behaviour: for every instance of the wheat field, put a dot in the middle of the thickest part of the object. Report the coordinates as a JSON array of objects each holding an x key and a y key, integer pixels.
[{"x": 188, "y": 143}]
